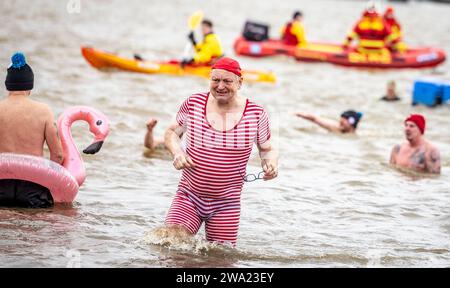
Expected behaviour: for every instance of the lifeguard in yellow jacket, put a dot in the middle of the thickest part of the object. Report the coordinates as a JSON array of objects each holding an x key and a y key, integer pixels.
[
  {"x": 293, "y": 33},
  {"x": 208, "y": 50}
]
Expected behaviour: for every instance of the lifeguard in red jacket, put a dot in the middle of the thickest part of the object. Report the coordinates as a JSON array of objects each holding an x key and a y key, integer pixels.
[
  {"x": 372, "y": 32},
  {"x": 396, "y": 35},
  {"x": 293, "y": 33}
]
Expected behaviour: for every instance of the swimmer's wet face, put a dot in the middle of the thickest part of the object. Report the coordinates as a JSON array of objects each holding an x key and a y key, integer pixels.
[
  {"x": 224, "y": 85},
  {"x": 391, "y": 90},
  {"x": 412, "y": 131},
  {"x": 345, "y": 125}
]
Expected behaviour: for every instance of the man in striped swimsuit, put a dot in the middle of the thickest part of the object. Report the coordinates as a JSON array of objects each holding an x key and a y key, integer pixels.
[{"x": 220, "y": 129}]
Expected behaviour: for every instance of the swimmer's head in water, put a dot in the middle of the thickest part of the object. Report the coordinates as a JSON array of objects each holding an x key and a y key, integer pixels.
[
  {"x": 352, "y": 117},
  {"x": 416, "y": 120},
  {"x": 390, "y": 91}
]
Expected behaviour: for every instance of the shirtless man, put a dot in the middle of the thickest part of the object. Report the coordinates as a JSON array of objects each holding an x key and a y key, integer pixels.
[
  {"x": 347, "y": 124},
  {"x": 416, "y": 153},
  {"x": 24, "y": 126}
]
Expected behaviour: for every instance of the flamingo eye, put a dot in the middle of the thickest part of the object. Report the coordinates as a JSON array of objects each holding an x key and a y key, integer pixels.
[{"x": 99, "y": 122}]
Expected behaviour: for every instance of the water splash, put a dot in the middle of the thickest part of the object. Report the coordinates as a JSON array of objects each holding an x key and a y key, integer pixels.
[{"x": 178, "y": 239}]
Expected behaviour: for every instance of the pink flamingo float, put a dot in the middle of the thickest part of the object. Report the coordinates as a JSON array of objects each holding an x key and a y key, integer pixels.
[{"x": 64, "y": 180}]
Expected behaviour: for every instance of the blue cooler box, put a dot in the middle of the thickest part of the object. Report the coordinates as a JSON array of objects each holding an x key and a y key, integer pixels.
[
  {"x": 428, "y": 92},
  {"x": 446, "y": 93}
]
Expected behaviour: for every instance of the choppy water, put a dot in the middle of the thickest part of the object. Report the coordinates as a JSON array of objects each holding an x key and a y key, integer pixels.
[{"x": 336, "y": 201}]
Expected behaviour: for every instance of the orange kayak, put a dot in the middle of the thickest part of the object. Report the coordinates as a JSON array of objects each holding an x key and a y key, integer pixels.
[
  {"x": 334, "y": 53},
  {"x": 104, "y": 60}
]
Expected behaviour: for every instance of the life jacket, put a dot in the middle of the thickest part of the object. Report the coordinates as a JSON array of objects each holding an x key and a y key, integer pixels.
[
  {"x": 289, "y": 38},
  {"x": 208, "y": 50},
  {"x": 372, "y": 32}
]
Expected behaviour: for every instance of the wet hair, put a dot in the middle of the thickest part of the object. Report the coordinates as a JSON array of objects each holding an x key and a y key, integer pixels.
[
  {"x": 296, "y": 14},
  {"x": 352, "y": 116},
  {"x": 207, "y": 23}
]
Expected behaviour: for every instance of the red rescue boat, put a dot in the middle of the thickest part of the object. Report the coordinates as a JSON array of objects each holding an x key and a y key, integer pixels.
[{"x": 334, "y": 53}]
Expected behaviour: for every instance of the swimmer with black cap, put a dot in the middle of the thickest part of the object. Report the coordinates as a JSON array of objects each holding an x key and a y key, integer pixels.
[{"x": 347, "y": 123}]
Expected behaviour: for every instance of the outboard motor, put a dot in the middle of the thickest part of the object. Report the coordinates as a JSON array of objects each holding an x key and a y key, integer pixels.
[{"x": 254, "y": 31}]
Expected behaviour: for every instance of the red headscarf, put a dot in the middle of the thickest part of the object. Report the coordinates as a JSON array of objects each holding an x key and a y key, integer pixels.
[
  {"x": 419, "y": 120},
  {"x": 228, "y": 64}
]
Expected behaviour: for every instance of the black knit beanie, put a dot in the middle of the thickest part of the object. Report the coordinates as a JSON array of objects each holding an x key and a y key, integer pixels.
[
  {"x": 352, "y": 116},
  {"x": 20, "y": 77}
]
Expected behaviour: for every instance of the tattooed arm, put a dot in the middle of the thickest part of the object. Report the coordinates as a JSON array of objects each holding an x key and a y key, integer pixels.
[
  {"x": 433, "y": 161},
  {"x": 418, "y": 160},
  {"x": 394, "y": 153}
]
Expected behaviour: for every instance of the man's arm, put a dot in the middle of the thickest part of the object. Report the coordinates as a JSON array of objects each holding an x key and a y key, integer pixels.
[
  {"x": 327, "y": 124},
  {"x": 394, "y": 153},
  {"x": 52, "y": 139},
  {"x": 148, "y": 140},
  {"x": 172, "y": 140},
  {"x": 269, "y": 160},
  {"x": 433, "y": 161}
]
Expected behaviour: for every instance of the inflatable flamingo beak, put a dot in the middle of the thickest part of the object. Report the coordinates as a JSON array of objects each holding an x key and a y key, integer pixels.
[{"x": 93, "y": 148}]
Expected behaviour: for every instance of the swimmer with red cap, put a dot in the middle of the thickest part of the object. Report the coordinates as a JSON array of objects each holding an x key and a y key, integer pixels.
[
  {"x": 220, "y": 129},
  {"x": 416, "y": 153}
]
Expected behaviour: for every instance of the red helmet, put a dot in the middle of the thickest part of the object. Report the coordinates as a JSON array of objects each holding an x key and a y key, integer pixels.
[{"x": 389, "y": 13}]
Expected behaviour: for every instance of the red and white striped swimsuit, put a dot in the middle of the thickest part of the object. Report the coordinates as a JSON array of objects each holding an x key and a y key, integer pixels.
[{"x": 211, "y": 191}]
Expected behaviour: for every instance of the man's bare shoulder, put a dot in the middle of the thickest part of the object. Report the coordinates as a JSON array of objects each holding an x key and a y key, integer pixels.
[
  {"x": 40, "y": 107},
  {"x": 39, "y": 104},
  {"x": 398, "y": 147},
  {"x": 3, "y": 102},
  {"x": 431, "y": 147},
  {"x": 433, "y": 158},
  {"x": 27, "y": 106},
  {"x": 432, "y": 151}
]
